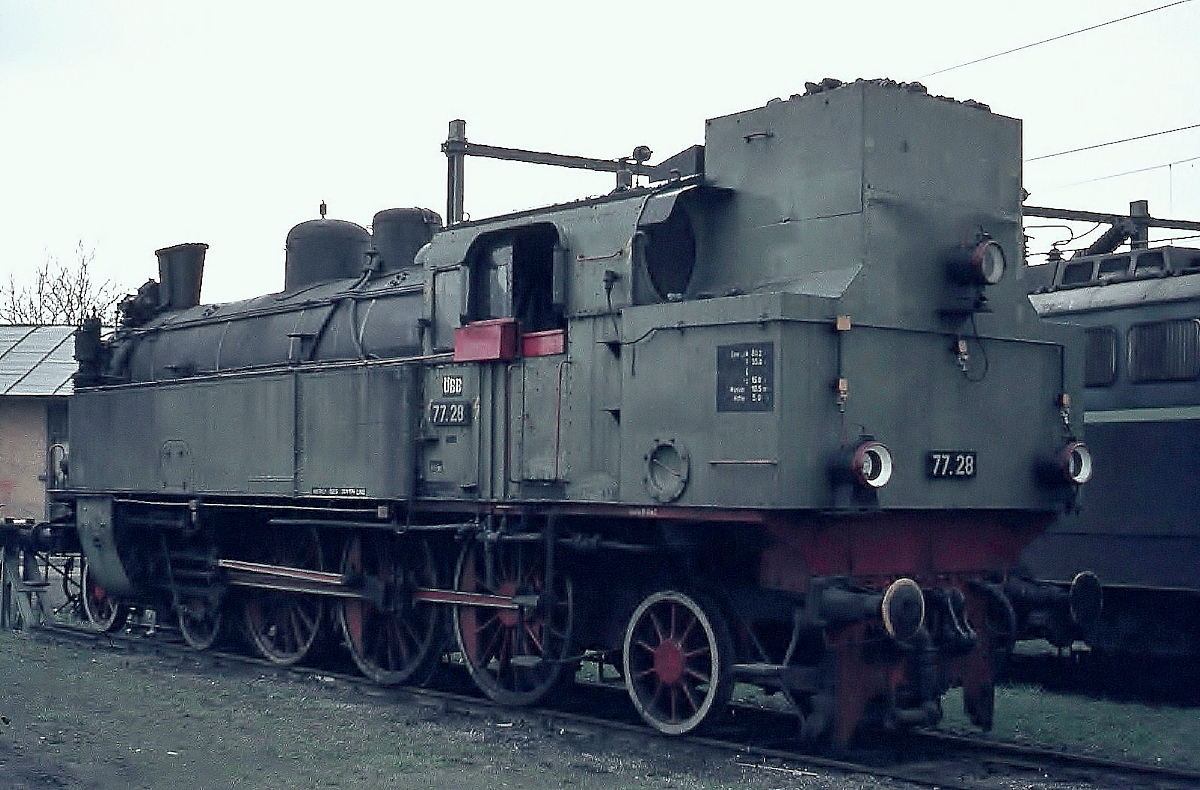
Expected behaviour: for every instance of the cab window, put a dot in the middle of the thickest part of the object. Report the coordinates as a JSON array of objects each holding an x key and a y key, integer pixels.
[{"x": 513, "y": 276}]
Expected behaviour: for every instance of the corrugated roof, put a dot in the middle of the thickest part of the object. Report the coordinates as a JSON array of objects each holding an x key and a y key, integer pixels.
[{"x": 36, "y": 360}]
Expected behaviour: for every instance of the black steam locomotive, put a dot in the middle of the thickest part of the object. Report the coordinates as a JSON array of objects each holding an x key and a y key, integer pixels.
[
  {"x": 782, "y": 414},
  {"x": 1138, "y": 527}
]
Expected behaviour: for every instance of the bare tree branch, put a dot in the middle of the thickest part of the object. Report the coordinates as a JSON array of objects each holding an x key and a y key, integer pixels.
[{"x": 60, "y": 294}]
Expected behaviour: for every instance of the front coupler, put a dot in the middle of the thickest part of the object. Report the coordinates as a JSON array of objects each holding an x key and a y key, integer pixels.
[{"x": 895, "y": 653}]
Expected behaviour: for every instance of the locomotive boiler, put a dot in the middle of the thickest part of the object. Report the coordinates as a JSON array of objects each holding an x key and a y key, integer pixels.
[{"x": 782, "y": 414}]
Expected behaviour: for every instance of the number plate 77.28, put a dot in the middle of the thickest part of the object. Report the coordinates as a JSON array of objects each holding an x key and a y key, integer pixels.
[
  {"x": 450, "y": 412},
  {"x": 954, "y": 464}
]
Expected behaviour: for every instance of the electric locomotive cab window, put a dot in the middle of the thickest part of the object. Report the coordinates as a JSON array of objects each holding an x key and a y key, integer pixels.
[
  {"x": 1100, "y": 360},
  {"x": 1164, "y": 351}
]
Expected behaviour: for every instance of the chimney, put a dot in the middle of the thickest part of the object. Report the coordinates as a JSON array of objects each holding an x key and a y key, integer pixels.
[{"x": 180, "y": 273}]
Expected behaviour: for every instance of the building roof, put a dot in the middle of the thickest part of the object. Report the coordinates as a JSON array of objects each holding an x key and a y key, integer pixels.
[{"x": 36, "y": 360}]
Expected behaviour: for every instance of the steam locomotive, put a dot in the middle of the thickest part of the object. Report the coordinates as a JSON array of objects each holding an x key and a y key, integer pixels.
[{"x": 777, "y": 410}]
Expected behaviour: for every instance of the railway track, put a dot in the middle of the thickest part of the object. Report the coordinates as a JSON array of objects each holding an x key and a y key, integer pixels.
[
  {"x": 1135, "y": 678},
  {"x": 759, "y": 738}
]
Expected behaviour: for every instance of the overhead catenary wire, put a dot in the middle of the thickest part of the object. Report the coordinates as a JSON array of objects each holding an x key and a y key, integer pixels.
[
  {"x": 1116, "y": 142},
  {"x": 1054, "y": 38},
  {"x": 1127, "y": 173},
  {"x": 1177, "y": 238},
  {"x": 1070, "y": 250},
  {"x": 1072, "y": 235}
]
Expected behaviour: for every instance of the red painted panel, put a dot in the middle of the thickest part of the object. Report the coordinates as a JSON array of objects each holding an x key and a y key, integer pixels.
[
  {"x": 879, "y": 548},
  {"x": 480, "y": 341},
  {"x": 543, "y": 344}
]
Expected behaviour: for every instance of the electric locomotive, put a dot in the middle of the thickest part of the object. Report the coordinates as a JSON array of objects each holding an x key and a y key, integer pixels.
[
  {"x": 1138, "y": 528},
  {"x": 782, "y": 414}
]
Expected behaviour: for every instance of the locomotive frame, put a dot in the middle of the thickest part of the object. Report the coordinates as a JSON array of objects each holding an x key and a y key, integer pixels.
[{"x": 784, "y": 416}]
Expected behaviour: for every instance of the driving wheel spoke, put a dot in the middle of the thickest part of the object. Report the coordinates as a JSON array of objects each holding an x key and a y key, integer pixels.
[
  {"x": 516, "y": 656},
  {"x": 678, "y": 661},
  {"x": 200, "y": 620},
  {"x": 392, "y": 638},
  {"x": 283, "y": 627}
]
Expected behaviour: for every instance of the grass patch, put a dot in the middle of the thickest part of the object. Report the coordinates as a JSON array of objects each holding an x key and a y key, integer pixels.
[
  {"x": 1118, "y": 730},
  {"x": 1154, "y": 734}
]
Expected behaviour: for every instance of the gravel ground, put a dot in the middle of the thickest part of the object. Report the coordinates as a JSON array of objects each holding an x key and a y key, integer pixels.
[{"x": 99, "y": 718}]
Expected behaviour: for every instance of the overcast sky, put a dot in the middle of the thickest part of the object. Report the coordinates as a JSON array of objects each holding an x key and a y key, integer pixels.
[{"x": 130, "y": 126}]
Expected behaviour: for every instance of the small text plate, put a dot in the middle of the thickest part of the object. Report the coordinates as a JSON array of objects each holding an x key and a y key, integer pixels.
[
  {"x": 450, "y": 412},
  {"x": 951, "y": 464}
]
